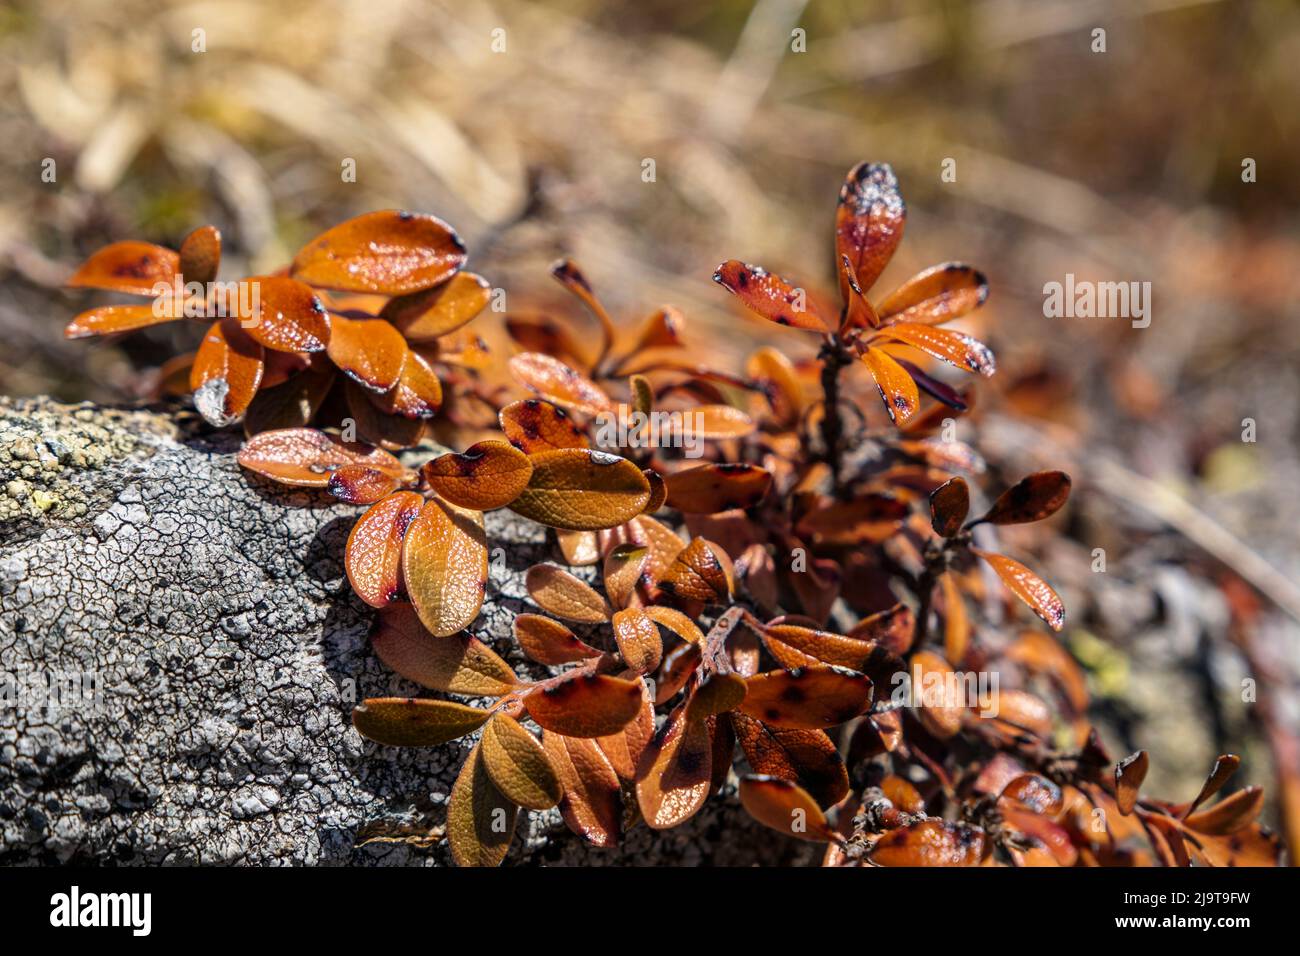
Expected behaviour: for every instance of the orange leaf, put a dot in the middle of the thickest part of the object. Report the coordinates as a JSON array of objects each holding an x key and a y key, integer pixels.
[
  {"x": 892, "y": 628},
  {"x": 550, "y": 642},
  {"x": 487, "y": 475},
  {"x": 1032, "y": 498},
  {"x": 622, "y": 571},
  {"x": 1129, "y": 774},
  {"x": 359, "y": 485},
  {"x": 658, "y": 491},
  {"x": 866, "y": 657},
  {"x": 807, "y": 698},
  {"x": 541, "y": 333},
  {"x": 1027, "y": 586},
  {"x": 369, "y": 351},
  {"x": 949, "y": 505},
  {"x": 533, "y": 426},
  {"x": 373, "y": 555},
  {"x": 638, "y": 640},
  {"x": 769, "y": 296},
  {"x": 930, "y": 843},
  {"x": 673, "y": 775},
  {"x": 806, "y": 757},
  {"x": 624, "y": 749},
  {"x": 375, "y": 424},
  {"x": 445, "y": 566},
  {"x": 784, "y": 806},
  {"x": 718, "y": 422},
  {"x": 938, "y": 693},
  {"x": 458, "y": 664},
  {"x": 585, "y": 705},
  {"x": 291, "y": 404},
  {"x": 558, "y": 592},
  {"x": 133, "y": 267},
  {"x": 591, "y": 804},
  {"x": 226, "y": 373},
  {"x": 897, "y": 388},
  {"x": 869, "y": 222},
  {"x": 937, "y": 295},
  {"x": 702, "y": 572},
  {"x": 560, "y": 384},
  {"x": 708, "y": 489},
  {"x": 578, "y": 489},
  {"x": 415, "y": 721},
  {"x": 716, "y": 693},
  {"x": 955, "y": 348},
  {"x": 779, "y": 381},
  {"x": 425, "y": 315},
  {"x": 480, "y": 820},
  {"x": 567, "y": 273},
  {"x": 417, "y": 394},
  {"x": 289, "y": 317},
  {"x": 518, "y": 765},
  {"x": 307, "y": 457},
  {"x": 581, "y": 549},
  {"x": 677, "y": 622},
  {"x": 200, "y": 255},
  {"x": 1225, "y": 765},
  {"x": 387, "y": 252},
  {"x": 111, "y": 319},
  {"x": 662, "y": 330},
  {"x": 867, "y": 518}
]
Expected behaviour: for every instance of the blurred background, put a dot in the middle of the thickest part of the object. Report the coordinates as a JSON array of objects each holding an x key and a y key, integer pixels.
[{"x": 528, "y": 127}]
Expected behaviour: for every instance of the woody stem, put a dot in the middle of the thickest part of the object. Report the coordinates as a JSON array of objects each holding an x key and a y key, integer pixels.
[{"x": 832, "y": 426}]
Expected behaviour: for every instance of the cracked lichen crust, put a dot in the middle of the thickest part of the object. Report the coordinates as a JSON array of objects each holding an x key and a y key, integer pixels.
[{"x": 205, "y": 651}]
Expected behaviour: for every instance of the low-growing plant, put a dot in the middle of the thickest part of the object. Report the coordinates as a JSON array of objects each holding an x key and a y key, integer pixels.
[{"x": 798, "y": 609}]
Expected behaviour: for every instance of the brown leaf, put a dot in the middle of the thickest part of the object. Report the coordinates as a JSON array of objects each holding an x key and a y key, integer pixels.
[
  {"x": 677, "y": 622},
  {"x": 937, "y": 295},
  {"x": 769, "y": 296},
  {"x": 1042, "y": 654},
  {"x": 581, "y": 549},
  {"x": 558, "y": 592},
  {"x": 941, "y": 706},
  {"x": 518, "y": 765},
  {"x": 892, "y": 628},
  {"x": 1032, "y": 498},
  {"x": 638, "y": 640},
  {"x": 859, "y": 313},
  {"x": 425, "y": 315},
  {"x": 702, "y": 572},
  {"x": 487, "y": 475},
  {"x": 591, "y": 804},
  {"x": 674, "y": 773},
  {"x": 930, "y": 843},
  {"x": 784, "y": 806},
  {"x": 897, "y": 388},
  {"x": 373, "y": 555},
  {"x": 387, "y": 252},
  {"x": 623, "y": 749},
  {"x": 457, "y": 664},
  {"x": 867, "y": 518},
  {"x": 806, "y": 757},
  {"x": 558, "y": 383},
  {"x": 867, "y": 657},
  {"x": 445, "y": 566},
  {"x": 541, "y": 333},
  {"x": 806, "y": 698},
  {"x": 567, "y": 273},
  {"x": 359, "y": 485},
  {"x": 550, "y": 642},
  {"x": 200, "y": 255},
  {"x": 716, "y": 693},
  {"x": 585, "y": 705},
  {"x": 658, "y": 491},
  {"x": 1230, "y": 814},
  {"x": 708, "y": 489},
  {"x": 291, "y": 404},
  {"x": 677, "y": 667},
  {"x": 226, "y": 373},
  {"x": 415, "y": 721},
  {"x": 779, "y": 381},
  {"x": 578, "y": 489},
  {"x": 376, "y": 426},
  {"x": 949, "y": 505},
  {"x": 869, "y": 222},
  {"x": 307, "y": 457},
  {"x": 130, "y": 266},
  {"x": 1027, "y": 586},
  {"x": 533, "y": 426},
  {"x": 718, "y": 422},
  {"x": 111, "y": 319},
  {"x": 956, "y": 626},
  {"x": 1225, "y": 765},
  {"x": 662, "y": 330},
  {"x": 480, "y": 820},
  {"x": 288, "y": 318},
  {"x": 1129, "y": 774},
  {"x": 955, "y": 348},
  {"x": 623, "y": 567},
  {"x": 417, "y": 394},
  {"x": 369, "y": 351}
]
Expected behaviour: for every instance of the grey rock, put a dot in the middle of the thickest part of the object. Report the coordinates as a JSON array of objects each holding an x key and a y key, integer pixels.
[{"x": 206, "y": 651}]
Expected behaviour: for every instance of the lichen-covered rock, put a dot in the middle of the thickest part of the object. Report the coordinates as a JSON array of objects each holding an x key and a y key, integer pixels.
[{"x": 205, "y": 651}]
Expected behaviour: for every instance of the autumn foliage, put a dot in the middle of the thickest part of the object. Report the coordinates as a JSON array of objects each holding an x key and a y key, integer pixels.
[{"x": 755, "y": 607}]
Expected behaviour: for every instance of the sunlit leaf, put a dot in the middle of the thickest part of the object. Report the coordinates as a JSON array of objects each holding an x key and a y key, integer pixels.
[
  {"x": 892, "y": 628},
  {"x": 937, "y": 295},
  {"x": 677, "y": 622},
  {"x": 288, "y": 318},
  {"x": 373, "y": 555},
  {"x": 580, "y": 548},
  {"x": 369, "y": 351},
  {"x": 480, "y": 820},
  {"x": 425, "y": 315},
  {"x": 942, "y": 707},
  {"x": 1032, "y": 498},
  {"x": 955, "y": 348},
  {"x": 456, "y": 664},
  {"x": 415, "y": 721},
  {"x": 622, "y": 572},
  {"x": 226, "y": 373},
  {"x": 1129, "y": 774},
  {"x": 930, "y": 843},
  {"x": 200, "y": 255},
  {"x": 897, "y": 388},
  {"x": 869, "y": 222},
  {"x": 1027, "y": 586},
  {"x": 638, "y": 640},
  {"x": 387, "y": 252},
  {"x": 866, "y": 657},
  {"x": 716, "y": 693},
  {"x": 807, "y": 698},
  {"x": 859, "y": 313},
  {"x": 130, "y": 266},
  {"x": 677, "y": 667},
  {"x": 784, "y": 806},
  {"x": 1042, "y": 654},
  {"x": 673, "y": 776},
  {"x": 307, "y": 457},
  {"x": 558, "y": 592},
  {"x": 533, "y": 426},
  {"x": 658, "y": 491},
  {"x": 585, "y": 705},
  {"x": 558, "y": 383},
  {"x": 769, "y": 296},
  {"x": 567, "y": 273},
  {"x": 487, "y": 475},
  {"x": 624, "y": 748},
  {"x": 708, "y": 489},
  {"x": 359, "y": 485},
  {"x": 956, "y": 626},
  {"x": 591, "y": 804},
  {"x": 578, "y": 489},
  {"x": 702, "y": 572},
  {"x": 111, "y": 319},
  {"x": 445, "y": 566},
  {"x": 518, "y": 765},
  {"x": 717, "y": 422},
  {"x": 806, "y": 757},
  {"x": 550, "y": 642},
  {"x": 417, "y": 394},
  {"x": 1034, "y": 792},
  {"x": 1230, "y": 814},
  {"x": 949, "y": 505}
]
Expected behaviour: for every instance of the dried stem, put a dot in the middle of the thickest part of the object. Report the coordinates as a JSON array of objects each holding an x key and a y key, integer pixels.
[{"x": 833, "y": 359}]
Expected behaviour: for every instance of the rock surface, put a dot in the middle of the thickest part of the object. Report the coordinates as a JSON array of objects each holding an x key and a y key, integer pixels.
[{"x": 206, "y": 651}]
